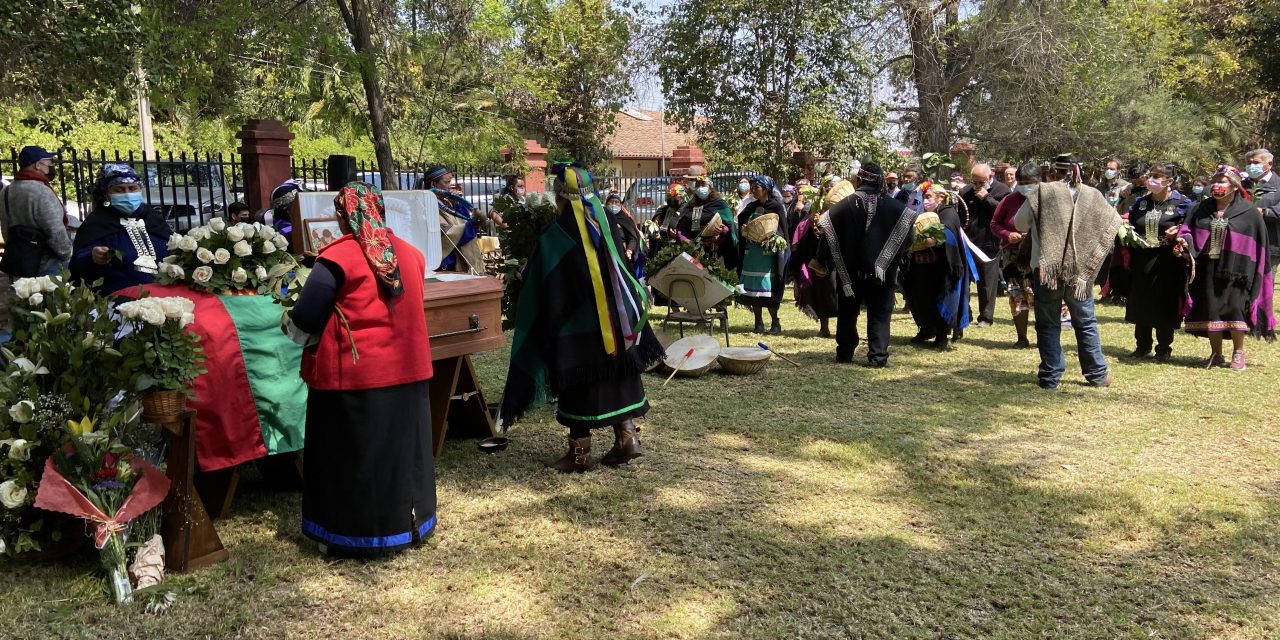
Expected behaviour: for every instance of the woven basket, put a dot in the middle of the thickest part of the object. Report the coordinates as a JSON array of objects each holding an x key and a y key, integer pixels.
[
  {"x": 743, "y": 361},
  {"x": 164, "y": 403},
  {"x": 713, "y": 227},
  {"x": 759, "y": 229}
]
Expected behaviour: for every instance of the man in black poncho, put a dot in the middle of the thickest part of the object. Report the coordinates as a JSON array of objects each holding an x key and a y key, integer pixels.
[{"x": 864, "y": 239}]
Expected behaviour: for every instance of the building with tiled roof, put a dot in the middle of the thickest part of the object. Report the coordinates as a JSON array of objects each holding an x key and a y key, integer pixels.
[{"x": 642, "y": 142}]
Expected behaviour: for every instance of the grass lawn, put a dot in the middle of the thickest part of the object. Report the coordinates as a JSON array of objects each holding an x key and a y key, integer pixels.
[{"x": 944, "y": 497}]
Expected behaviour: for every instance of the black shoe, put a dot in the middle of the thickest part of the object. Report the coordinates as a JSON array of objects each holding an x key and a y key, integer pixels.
[
  {"x": 776, "y": 329},
  {"x": 1022, "y": 343},
  {"x": 759, "y": 326},
  {"x": 957, "y": 335},
  {"x": 844, "y": 360},
  {"x": 941, "y": 344},
  {"x": 1140, "y": 353},
  {"x": 877, "y": 364},
  {"x": 922, "y": 338},
  {"x": 1047, "y": 386},
  {"x": 1163, "y": 356}
]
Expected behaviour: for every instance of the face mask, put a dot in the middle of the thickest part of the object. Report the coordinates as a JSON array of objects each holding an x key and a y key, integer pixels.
[
  {"x": 1154, "y": 184},
  {"x": 703, "y": 192},
  {"x": 1219, "y": 190},
  {"x": 891, "y": 185},
  {"x": 743, "y": 188},
  {"x": 908, "y": 186},
  {"x": 520, "y": 192},
  {"x": 52, "y": 172},
  {"x": 1026, "y": 189},
  {"x": 930, "y": 205},
  {"x": 787, "y": 199},
  {"x": 1198, "y": 189},
  {"x": 1255, "y": 170},
  {"x": 613, "y": 208},
  {"x": 126, "y": 202},
  {"x": 1111, "y": 174}
]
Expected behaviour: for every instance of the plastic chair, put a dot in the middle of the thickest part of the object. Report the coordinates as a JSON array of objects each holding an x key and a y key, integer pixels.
[{"x": 696, "y": 289}]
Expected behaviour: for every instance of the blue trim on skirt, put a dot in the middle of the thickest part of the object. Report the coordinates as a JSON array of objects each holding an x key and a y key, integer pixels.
[{"x": 321, "y": 534}]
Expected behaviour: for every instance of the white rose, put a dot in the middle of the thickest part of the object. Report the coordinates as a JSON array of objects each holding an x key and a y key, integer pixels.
[
  {"x": 243, "y": 249},
  {"x": 239, "y": 275},
  {"x": 23, "y": 411},
  {"x": 3, "y": 549},
  {"x": 204, "y": 255},
  {"x": 188, "y": 243},
  {"x": 153, "y": 314},
  {"x": 280, "y": 241},
  {"x": 217, "y": 225},
  {"x": 267, "y": 233},
  {"x": 170, "y": 259},
  {"x": 202, "y": 274},
  {"x": 235, "y": 234},
  {"x": 249, "y": 231},
  {"x": 36, "y": 299},
  {"x": 221, "y": 256},
  {"x": 11, "y": 495},
  {"x": 48, "y": 283},
  {"x": 177, "y": 272},
  {"x": 175, "y": 241},
  {"x": 187, "y": 304},
  {"x": 20, "y": 449},
  {"x": 186, "y": 319},
  {"x": 260, "y": 272},
  {"x": 22, "y": 286},
  {"x": 268, "y": 248},
  {"x": 172, "y": 307}
]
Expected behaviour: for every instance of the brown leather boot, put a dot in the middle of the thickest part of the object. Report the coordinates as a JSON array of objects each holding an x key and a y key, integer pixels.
[
  {"x": 626, "y": 445},
  {"x": 578, "y": 459}
]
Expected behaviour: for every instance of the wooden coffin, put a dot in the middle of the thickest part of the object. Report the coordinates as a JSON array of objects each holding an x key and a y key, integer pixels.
[{"x": 464, "y": 316}]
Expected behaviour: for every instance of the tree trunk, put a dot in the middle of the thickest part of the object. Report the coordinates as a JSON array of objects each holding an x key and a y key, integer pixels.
[
  {"x": 355, "y": 13},
  {"x": 932, "y": 125}
]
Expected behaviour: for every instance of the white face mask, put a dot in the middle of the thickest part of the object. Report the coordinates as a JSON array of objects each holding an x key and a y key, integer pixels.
[
  {"x": 613, "y": 208},
  {"x": 1111, "y": 174},
  {"x": 703, "y": 192}
]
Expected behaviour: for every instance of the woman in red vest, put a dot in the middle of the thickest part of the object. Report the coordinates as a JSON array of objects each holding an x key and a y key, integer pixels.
[{"x": 370, "y": 481}]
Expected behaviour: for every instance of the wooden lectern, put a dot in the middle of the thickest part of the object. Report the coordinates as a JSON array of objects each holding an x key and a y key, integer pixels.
[{"x": 190, "y": 540}]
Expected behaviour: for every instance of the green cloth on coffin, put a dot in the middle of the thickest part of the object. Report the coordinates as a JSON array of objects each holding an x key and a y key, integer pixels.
[{"x": 272, "y": 362}]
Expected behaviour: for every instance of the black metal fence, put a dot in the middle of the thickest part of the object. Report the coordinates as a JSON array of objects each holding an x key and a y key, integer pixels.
[{"x": 189, "y": 189}]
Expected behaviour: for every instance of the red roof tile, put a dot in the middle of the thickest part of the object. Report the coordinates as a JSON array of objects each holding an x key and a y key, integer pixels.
[{"x": 639, "y": 135}]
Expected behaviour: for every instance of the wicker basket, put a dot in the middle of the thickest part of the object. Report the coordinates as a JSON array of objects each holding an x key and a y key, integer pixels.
[
  {"x": 164, "y": 403},
  {"x": 743, "y": 361},
  {"x": 761, "y": 228}
]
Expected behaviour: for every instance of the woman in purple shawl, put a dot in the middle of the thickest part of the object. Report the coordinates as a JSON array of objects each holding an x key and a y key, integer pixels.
[{"x": 1227, "y": 241}]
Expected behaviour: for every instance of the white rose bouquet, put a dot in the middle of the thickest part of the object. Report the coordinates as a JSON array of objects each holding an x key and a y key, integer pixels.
[
  {"x": 221, "y": 258},
  {"x": 169, "y": 355}
]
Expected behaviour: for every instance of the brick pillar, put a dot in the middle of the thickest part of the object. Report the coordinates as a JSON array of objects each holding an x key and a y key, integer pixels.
[
  {"x": 685, "y": 157},
  {"x": 265, "y": 154},
  {"x": 535, "y": 156}
]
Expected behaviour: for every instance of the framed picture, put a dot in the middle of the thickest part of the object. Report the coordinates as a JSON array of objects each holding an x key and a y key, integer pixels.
[{"x": 320, "y": 232}]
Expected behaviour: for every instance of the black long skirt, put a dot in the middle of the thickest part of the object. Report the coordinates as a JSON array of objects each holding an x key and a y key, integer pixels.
[
  {"x": 1157, "y": 288},
  {"x": 923, "y": 285},
  {"x": 370, "y": 483},
  {"x": 601, "y": 404},
  {"x": 1218, "y": 305}
]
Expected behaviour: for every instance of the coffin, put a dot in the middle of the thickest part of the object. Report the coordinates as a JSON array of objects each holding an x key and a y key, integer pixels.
[{"x": 464, "y": 315}]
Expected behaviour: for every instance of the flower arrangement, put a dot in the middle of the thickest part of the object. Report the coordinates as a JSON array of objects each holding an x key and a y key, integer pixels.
[
  {"x": 775, "y": 244},
  {"x": 694, "y": 249},
  {"x": 168, "y": 355},
  {"x": 68, "y": 401},
  {"x": 220, "y": 257}
]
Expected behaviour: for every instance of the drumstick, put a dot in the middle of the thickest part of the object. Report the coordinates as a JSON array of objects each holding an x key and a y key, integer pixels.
[
  {"x": 677, "y": 367},
  {"x": 766, "y": 348}
]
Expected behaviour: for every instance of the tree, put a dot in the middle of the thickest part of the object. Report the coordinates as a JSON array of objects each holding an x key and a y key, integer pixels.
[
  {"x": 577, "y": 55},
  {"x": 357, "y": 16},
  {"x": 760, "y": 80}
]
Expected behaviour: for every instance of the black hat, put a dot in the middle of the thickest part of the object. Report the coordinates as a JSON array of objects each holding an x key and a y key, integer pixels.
[{"x": 31, "y": 155}]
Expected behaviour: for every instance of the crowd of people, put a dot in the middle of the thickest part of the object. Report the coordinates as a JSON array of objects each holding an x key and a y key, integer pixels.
[{"x": 1179, "y": 251}]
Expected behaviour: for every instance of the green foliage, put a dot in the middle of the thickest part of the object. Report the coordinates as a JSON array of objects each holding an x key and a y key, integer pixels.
[
  {"x": 694, "y": 249},
  {"x": 526, "y": 220},
  {"x": 757, "y": 80}
]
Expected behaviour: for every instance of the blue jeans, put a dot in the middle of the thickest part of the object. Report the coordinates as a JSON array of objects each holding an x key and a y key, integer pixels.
[{"x": 1049, "y": 335}]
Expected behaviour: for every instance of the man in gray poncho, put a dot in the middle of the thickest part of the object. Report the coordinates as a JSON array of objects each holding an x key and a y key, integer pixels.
[{"x": 1072, "y": 230}]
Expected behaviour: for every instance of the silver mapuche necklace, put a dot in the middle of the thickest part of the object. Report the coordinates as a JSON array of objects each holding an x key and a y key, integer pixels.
[
  {"x": 137, "y": 230},
  {"x": 1217, "y": 234},
  {"x": 1151, "y": 226}
]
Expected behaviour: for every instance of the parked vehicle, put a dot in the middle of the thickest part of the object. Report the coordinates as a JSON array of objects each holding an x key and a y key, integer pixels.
[
  {"x": 188, "y": 194},
  {"x": 727, "y": 183},
  {"x": 645, "y": 195}
]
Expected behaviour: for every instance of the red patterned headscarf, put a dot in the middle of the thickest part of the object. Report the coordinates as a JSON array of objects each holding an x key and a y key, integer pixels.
[{"x": 360, "y": 204}]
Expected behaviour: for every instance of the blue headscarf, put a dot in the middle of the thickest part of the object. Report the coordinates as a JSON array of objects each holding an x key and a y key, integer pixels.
[
  {"x": 765, "y": 181},
  {"x": 115, "y": 173}
]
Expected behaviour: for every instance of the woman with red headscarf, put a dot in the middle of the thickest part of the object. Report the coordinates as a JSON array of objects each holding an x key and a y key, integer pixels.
[
  {"x": 370, "y": 481},
  {"x": 1227, "y": 241}
]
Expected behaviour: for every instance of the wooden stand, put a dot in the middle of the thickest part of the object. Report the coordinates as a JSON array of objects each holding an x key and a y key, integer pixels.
[
  {"x": 190, "y": 541},
  {"x": 456, "y": 398}
]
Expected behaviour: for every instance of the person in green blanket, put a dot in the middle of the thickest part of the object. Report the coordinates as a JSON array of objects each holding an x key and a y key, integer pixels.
[
  {"x": 698, "y": 220},
  {"x": 763, "y": 252},
  {"x": 581, "y": 329}
]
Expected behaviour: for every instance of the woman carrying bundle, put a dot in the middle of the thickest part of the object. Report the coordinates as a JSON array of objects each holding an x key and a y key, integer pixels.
[
  {"x": 763, "y": 252},
  {"x": 708, "y": 218},
  {"x": 938, "y": 272}
]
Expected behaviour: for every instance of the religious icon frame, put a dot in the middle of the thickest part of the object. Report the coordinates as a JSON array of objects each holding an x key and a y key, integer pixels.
[{"x": 312, "y": 230}]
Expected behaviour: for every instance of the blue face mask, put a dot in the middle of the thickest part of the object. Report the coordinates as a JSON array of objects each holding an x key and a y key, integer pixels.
[
  {"x": 1026, "y": 189},
  {"x": 126, "y": 202},
  {"x": 1255, "y": 170},
  {"x": 908, "y": 186},
  {"x": 1198, "y": 190},
  {"x": 702, "y": 192}
]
